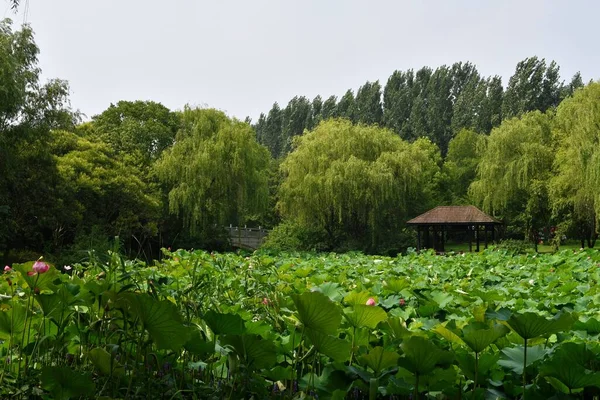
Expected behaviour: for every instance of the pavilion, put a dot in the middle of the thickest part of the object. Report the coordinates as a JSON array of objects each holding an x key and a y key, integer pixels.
[{"x": 432, "y": 227}]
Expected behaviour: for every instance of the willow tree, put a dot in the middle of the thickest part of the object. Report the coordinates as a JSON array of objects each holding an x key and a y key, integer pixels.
[
  {"x": 512, "y": 177},
  {"x": 575, "y": 189},
  {"x": 360, "y": 180},
  {"x": 216, "y": 171}
]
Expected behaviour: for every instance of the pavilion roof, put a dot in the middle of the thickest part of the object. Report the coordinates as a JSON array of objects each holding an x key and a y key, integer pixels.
[{"x": 453, "y": 215}]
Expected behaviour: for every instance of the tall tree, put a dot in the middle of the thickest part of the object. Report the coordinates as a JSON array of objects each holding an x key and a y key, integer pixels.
[
  {"x": 329, "y": 108},
  {"x": 397, "y": 103},
  {"x": 533, "y": 86},
  {"x": 460, "y": 165},
  {"x": 316, "y": 114},
  {"x": 575, "y": 188},
  {"x": 143, "y": 127},
  {"x": 368, "y": 104},
  {"x": 272, "y": 136},
  {"x": 217, "y": 172},
  {"x": 346, "y": 108},
  {"x": 513, "y": 175},
  {"x": 356, "y": 180},
  {"x": 293, "y": 120}
]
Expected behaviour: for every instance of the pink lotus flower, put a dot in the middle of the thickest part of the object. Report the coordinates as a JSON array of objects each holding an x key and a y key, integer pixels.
[
  {"x": 7, "y": 269},
  {"x": 371, "y": 301},
  {"x": 265, "y": 301},
  {"x": 402, "y": 302},
  {"x": 40, "y": 267}
]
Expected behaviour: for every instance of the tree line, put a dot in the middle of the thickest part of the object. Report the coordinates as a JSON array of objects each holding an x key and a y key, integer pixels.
[
  {"x": 432, "y": 103},
  {"x": 325, "y": 175}
]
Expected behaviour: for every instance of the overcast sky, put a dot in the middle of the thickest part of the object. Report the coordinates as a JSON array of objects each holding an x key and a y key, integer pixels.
[{"x": 240, "y": 56}]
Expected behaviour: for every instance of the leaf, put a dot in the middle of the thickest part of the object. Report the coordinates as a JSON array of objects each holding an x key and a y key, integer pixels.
[
  {"x": 479, "y": 335},
  {"x": 568, "y": 365},
  {"x": 160, "y": 318},
  {"x": 197, "y": 345},
  {"x": 12, "y": 322},
  {"x": 421, "y": 355},
  {"x": 104, "y": 363},
  {"x": 256, "y": 352},
  {"x": 530, "y": 325},
  {"x": 365, "y": 316},
  {"x": 513, "y": 357},
  {"x": 591, "y": 326},
  {"x": 356, "y": 298},
  {"x": 331, "y": 290},
  {"x": 378, "y": 359},
  {"x": 42, "y": 282},
  {"x": 441, "y": 298},
  {"x": 317, "y": 312},
  {"x": 65, "y": 383},
  {"x": 224, "y": 324},
  {"x": 397, "y": 330},
  {"x": 336, "y": 348}
]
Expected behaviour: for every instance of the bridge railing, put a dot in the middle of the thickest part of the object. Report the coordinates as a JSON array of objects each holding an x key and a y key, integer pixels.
[{"x": 246, "y": 237}]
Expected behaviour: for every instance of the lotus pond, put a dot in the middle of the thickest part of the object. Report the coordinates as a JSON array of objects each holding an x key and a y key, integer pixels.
[{"x": 197, "y": 325}]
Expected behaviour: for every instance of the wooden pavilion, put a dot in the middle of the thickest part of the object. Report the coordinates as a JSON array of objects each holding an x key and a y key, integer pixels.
[{"x": 433, "y": 226}]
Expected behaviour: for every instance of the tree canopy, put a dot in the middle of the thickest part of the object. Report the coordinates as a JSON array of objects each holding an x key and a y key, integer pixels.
[
  {"x": 355, "y": 178},
  {"x": 216, "y": 171}
]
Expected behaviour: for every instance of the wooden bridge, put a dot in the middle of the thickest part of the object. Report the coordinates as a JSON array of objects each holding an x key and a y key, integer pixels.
[{"x": 246, "y": 238}]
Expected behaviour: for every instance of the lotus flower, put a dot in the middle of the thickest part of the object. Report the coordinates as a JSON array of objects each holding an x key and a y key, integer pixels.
[
  {"x": 371, "y": 301},
  {"x": 40, "y": 267},
  {"x": 402, "y": 302},
  {"x": 265, "y": 301},
  {"x": 7, "y": 269}
]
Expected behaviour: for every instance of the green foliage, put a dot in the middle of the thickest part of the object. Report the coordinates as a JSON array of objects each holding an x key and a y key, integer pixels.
[
  {"x": 575, "y": 187},
  {"x": 514, "y": 172},
  {"x": 460, "y": 164},
  {"x": 356, "y": 179},
  {"x": 216, "y": 171}
]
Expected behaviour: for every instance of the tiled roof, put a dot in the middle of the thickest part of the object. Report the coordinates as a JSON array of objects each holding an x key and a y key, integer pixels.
[{"x": 454, "y": 215}]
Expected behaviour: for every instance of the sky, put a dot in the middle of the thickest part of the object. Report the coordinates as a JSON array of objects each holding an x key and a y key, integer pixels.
[{"x": 240, "y": 56}]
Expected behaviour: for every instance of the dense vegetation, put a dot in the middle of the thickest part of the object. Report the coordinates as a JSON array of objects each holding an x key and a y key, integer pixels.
[
  {"x": 323, "y": 174},
  {"x": 204, "y": 325}
]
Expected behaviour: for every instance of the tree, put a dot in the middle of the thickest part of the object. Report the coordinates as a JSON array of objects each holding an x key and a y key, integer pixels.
[
  {"x": 316, "y": 114},
  {"x": 346, "y": 108},
  {"x": 397, "y": 103},
  {"x": 460, "y": 165},
  {"x": 533, "y": 86},
  {"x": 272, "y": 132},
  {"x": 329, "y": 108},
  {"x": 356, "y": 181},
  {"x": 368, "y": 104},
  {"x": 28, "y": 111},
  {"x": 575, "y": 189},
  {"x": 293, "y": 121},
  {"x": 217, "y": 172},
  {"x": 514, "y": 172},
  {"x": 97, "y": 189},
  {"x": 143, "y": 127}
]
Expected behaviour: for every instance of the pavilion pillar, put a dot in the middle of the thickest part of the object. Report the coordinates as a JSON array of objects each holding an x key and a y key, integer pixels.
[
  {"x": 418, "y": 238},
  {"x": 477, "y": 233},
  {"x": 470, "y": 231}
]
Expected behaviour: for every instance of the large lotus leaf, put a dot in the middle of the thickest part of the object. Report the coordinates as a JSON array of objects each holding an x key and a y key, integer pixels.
[
  {"x": 530, "y": 325},
  {"x": 43, "y": 282},
  {"x": 365, "y": 316},
  {"x": 591, "y": 326},
  {"x": 224, "y": 324},
  {"x": 331, "y": 290},
  {"x": 104, "y": 363},
  {"x": 336, "y": 348},
  {"x": 452, "y": 335},
  {"x": 256, "y": 352},
  {"x": 422, "y": 355},
  {"x": 12, "y": 322},
  {"x": 396, "y": 328},
  {"x": 512, "y": 357},
  {"x": 317, "y": 312},
  {"x": 63, "y": 383},
  {"x": 441, "y": 298},
  {"x": 440, "y": 379},
  {"x": 197, "y": 344},
  {"x": 568, "y": 365},
  {"x": 479, "y": 335},
  {"x": 356, "y": 298},
  {"x": 331, "y": 384},
  {"x": 378, "y": 359},
  {"x": 160, "y": 318}
]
